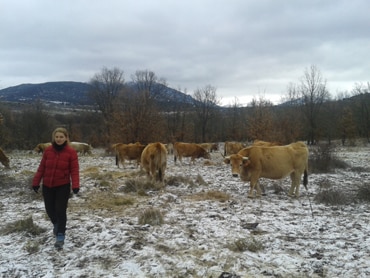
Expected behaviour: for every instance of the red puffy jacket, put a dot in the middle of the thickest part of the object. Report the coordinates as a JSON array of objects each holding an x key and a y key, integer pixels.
[{"x": 58, "y": 168}]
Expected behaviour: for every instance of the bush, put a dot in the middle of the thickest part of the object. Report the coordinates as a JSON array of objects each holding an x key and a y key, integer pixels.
[
  {"x": 178, "y": 180},
  {"x": 332, "y": 197},
  {"x": 363, "y": 192},
  {"x": 243, "y": 244},
  {"x": 141, "y": 186},
  {"x": 25, "y": 225},
  {"x": 322, "y": 160}
]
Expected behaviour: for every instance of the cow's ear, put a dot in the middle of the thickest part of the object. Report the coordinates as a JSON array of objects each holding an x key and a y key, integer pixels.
[
  {"x": 227, "y": 160},
  {"x": 246, "y": 161}
]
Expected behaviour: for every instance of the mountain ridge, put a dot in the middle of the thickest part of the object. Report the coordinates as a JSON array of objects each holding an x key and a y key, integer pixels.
[{"x": 75, "y": 93}]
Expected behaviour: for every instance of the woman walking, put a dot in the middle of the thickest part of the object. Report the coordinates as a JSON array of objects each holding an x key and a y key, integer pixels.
[{"x": 59, "y": 172}]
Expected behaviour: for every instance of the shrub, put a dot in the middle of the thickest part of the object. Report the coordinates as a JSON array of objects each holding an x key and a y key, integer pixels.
[
  {"x": 178, "y": 180},
  {"x": 141, "y": 186},
  {"x": 243, "y": 244},
  {"x": 332, "y": 197},
  {"x": 25, "y": 225},
  {"x": 323, "y": 160},
  {"x": 363, "y": 192}
]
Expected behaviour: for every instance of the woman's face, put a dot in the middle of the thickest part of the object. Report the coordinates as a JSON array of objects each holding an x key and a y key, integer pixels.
[{"x": 60, "y": 138}]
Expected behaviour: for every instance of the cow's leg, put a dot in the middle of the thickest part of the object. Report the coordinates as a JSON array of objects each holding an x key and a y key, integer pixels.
[
  {"x": 250, "y": 193},
  {"x": 258, "y": 188},
  {"x": 297, "y": 184},
  {"x": 253, "y": 182},
  {"x": 152, "y": 171},
  {"x": 294, "y": 187}
]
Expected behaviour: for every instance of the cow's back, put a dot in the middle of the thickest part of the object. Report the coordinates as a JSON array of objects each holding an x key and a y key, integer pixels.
[
  {"x": 130, "y": 151},
  {"x": 232, "y": 147},
  {"x": 277, "y": 162},
  {"x": 189, "y": 150},
  {"x": 154, "y": 158}
]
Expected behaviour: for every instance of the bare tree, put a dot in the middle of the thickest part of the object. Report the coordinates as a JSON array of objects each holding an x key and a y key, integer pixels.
[
  {"x": 235, "y": 122},
  {"x": 290, "y": 123},
  {"x": 363, "y": 108},
  {"x": 205, "y": 107},
  {"x": 347, "y": 126},
  {"x": 312, "y": 93},
  {"x": 105, "y": 89},
  {"x": 144, "y": 121},
  {"x": 260, "y": 120}
]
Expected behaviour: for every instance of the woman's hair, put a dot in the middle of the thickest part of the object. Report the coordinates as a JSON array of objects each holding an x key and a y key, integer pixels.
[{"x": 61, "y": 130}]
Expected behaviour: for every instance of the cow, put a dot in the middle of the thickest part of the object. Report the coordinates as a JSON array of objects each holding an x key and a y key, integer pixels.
[
  {"x": 130, "y": 151},
  {"x": 169, "y": 148},
  {"x": 209, "y": 147},
  {"x": 154, "y": 161},
  {"x": 4, "y": 159},
  {"x": 192, "y": 150},
  {"x": 40, "y": 148},
  {"x": 80, "y": 147},
  {"x": 233, "y": 147},
  {"x": 275, "y": 162},
  {"x": 236, "y": 159}
]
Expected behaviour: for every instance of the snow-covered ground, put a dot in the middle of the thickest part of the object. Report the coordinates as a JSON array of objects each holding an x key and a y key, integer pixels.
[{"x": 201, "y": 236}]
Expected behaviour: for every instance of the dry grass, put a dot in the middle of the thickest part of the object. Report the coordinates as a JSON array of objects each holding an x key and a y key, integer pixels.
[
  {"x": 243, "y": 244},
  {"x": 211, "y": 195},
  {"x": 23, "y": 225},
  {"x": 151, "y": 216},
  {"x": 109, "y": 201},
  {"x": 141, "y": 186}
]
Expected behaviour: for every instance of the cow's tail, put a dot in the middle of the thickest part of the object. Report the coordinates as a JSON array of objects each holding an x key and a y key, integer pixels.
[
  {"x": 160, "y": 175},
  {"x": 117, "y": 161},
  {"x": 305, "y": 176},
  {"x": 160, "y": 162},
  {"x": 305, "y": 179},
  {"x": 174, "y": 154}
]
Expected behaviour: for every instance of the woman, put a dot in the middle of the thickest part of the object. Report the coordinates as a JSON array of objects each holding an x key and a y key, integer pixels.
[{"x": 58, "y": 168}]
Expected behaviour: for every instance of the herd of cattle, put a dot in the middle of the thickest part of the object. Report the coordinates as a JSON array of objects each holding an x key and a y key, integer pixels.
[{"x": 260, "y": 160}]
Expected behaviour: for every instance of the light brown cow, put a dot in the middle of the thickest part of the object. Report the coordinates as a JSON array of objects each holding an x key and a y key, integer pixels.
[
  {"x": 40, "y": 148},
  {"x": 128, "y": 151},
  {"x": 209, "y": 147},
  {"x": 274, "y": 162},
  {"x": 4, "y": 159},
  {"x": 236, "y": 159},
  {"x": 82, "y": 148},
  {"x": 233, "y": 147},
  {"x": 169, "y": 148},
  {"x": 192, "y": 150},
  {"x": 154, "y": 161}
]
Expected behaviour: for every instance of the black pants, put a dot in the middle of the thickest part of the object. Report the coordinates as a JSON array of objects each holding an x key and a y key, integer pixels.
[{"x": 56, "y": 202}]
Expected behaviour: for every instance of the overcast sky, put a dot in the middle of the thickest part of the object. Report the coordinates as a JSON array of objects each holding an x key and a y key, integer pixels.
[{"x": 245, "y": 49}]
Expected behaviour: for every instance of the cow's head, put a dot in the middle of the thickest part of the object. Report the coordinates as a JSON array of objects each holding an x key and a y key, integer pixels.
[
  {"x": 4, "y": 160},
  {"x": 235, "y": 160},
  {"x": 38, "y": 148},
  {"x": 214, "y": 147},
  {"x": 204, "y": 154}
]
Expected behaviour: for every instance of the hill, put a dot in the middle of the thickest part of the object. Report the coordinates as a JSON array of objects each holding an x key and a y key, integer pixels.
[{"x": 76, "y": 94}]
